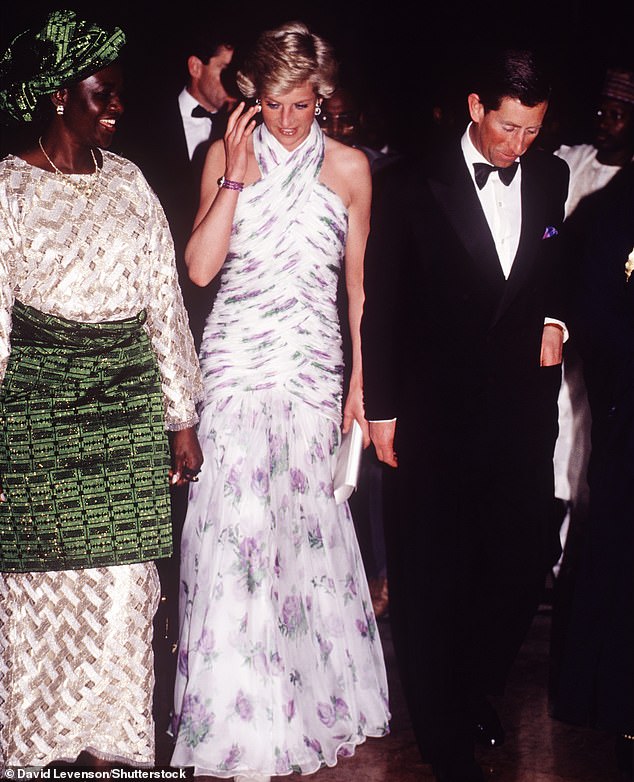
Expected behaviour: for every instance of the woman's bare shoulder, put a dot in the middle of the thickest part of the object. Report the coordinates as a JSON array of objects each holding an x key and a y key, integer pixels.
[{"x": 347, "y": 159}]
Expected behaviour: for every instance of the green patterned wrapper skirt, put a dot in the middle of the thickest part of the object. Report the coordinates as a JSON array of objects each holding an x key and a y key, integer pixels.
[{"x": 84, "y": 456}]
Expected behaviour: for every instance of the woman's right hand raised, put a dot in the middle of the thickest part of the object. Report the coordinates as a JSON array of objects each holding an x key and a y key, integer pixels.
[{"x": 240, "y": 126}]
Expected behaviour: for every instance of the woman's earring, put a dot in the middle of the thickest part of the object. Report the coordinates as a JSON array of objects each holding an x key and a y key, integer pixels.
[
  {"x": 59, "y": 109},
  {"x": 258, "y": 102},
  {"x": 317, "y": 110}
]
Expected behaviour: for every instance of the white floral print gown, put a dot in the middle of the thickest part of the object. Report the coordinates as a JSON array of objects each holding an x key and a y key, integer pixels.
[{"x": 280, "y": 665}]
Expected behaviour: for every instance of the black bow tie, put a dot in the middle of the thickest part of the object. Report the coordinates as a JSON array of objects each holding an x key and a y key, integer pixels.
[
  {"x": 482, "y": 171},
  {"x": 199, "y": 111}
]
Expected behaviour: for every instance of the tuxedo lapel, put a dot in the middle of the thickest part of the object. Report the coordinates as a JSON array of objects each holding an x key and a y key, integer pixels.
[
  {"x": 174, "y": 126},
  {"x": 454, "y": 190}
]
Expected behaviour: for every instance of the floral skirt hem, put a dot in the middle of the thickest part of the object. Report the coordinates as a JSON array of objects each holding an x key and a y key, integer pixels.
[
  {"x": 345, "y": 750},
  {"x": 280, "y": 664}
]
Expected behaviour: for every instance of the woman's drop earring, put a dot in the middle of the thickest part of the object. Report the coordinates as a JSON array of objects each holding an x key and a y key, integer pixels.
[
  {"x": 59, "y": 109},
  {"x": 317, "y": 110}
]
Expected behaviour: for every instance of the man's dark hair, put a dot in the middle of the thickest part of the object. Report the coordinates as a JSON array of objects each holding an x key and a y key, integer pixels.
[
  {"x": 203, "y": 41},
  {"x": 513, "y": 73},
  {"x": 207, "y": 47}
]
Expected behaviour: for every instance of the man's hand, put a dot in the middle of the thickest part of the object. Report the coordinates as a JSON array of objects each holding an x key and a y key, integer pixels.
[
  {"x": 552, "y": 345},
  {"x": 382, "y": 435}
]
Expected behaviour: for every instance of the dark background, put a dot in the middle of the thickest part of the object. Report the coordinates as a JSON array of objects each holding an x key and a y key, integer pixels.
[{"x": 407, "y": 57}]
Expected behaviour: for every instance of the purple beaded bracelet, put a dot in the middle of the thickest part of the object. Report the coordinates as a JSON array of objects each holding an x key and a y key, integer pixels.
[{"x": 222, "y": 182}]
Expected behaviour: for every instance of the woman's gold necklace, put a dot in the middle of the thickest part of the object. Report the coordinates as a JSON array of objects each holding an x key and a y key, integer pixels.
[{"x": 83, "y": 186}]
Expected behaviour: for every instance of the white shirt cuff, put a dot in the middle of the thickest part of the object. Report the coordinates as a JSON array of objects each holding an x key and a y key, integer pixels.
[{"x": 558, "y": 323}]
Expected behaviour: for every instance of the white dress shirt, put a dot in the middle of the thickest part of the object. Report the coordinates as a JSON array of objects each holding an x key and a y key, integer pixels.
[
  {"x": 501, "y": 204},
  {"x": 197, "y": 129}
]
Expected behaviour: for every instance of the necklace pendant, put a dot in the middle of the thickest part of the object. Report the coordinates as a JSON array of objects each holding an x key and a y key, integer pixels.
[{"x": 82, "y": 188}]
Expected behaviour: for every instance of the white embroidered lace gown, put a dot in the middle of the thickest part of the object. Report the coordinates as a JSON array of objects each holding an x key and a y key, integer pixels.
[{"x": 280, "y": 664}]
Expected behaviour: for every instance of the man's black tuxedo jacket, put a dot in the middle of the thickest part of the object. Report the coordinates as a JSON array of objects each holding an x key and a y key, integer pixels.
[
  {"x": 452, "y": 349},
  {"x": 159, "y": 147}
]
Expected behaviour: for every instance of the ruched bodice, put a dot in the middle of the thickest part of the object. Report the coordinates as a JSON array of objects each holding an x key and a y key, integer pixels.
[{"x": 275, "y": 322}]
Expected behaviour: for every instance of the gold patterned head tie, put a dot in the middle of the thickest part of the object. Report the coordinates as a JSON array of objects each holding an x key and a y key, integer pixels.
[{"x": 38, "y": 62}]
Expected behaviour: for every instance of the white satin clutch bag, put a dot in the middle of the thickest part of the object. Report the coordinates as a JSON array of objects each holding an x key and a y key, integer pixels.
[{"x": 348, "y": 463}]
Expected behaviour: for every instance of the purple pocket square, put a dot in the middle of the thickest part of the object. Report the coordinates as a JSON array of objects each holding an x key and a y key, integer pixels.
[{"x": 550, "y": 231}]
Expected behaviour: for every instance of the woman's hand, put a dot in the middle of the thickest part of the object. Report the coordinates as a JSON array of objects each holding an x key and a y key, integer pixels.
[
  {"x": 240, "y": 126},
  {"x": 187, "y": 457},
  {"x": 354, "y": 410},
  {"x": 208, "y": 245}
]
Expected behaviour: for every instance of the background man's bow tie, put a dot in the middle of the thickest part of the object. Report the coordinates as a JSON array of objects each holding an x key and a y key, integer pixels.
[
  {"x": 199, "y": 111},
  {"x": 482, "y": 171}
]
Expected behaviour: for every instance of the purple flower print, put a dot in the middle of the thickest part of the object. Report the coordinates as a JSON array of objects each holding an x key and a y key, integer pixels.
[
  {"x": 325, "y": 647},
  {"x": 251, "y": 563},
  {"x": 278, "y": 453},
  {"x": 334, "y": 439},
  {"x": 248, "y": 546},
  {"x": 260, "y": 663},
  {"x": 316, "y": 451},
  {"x": 293, "y": 619},
  {"x": 329, "y": 713},
  {"x": 232, "y": 484},
  {"x": 289, "y": 710},
  {"x": 372, "y": 631},
  {"x": 326, "y": 489},
  {"x": 195, "y": 721},
  {"x": 276, "y": 665},
  {"x": 299, "y": 482},
  {"x": 282, "y": 763},
  {"x": 362, "y": 628},
  {"x": 244, "y": 707},
  {"x": 368, "y": 628},
  {"x": 260, "y": 483},
  {"x": 207, "y": 643},
  {"x": 314, "y": 745},
  {"x": 232, "y": 759},
  {"x": 182, "y": 662},
  {"x": 326, "y": 714},
  {"x": 315, "y": 539},
  {"x": 341, "y": 708}
]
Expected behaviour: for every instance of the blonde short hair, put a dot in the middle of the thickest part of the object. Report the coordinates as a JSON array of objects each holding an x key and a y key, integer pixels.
[{"x": 286, "y": 57}]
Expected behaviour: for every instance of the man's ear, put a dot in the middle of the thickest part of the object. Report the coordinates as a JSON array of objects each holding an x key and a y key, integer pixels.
[
  {"x": 194, "y": 66},
  {"x": 476, "y": 109}
]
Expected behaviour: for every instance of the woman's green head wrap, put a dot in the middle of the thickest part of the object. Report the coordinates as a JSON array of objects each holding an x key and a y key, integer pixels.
[{"x": 37, "y": 63}]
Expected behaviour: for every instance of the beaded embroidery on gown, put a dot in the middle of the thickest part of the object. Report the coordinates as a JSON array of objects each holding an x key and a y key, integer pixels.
[{"x": 280, "y": 665}]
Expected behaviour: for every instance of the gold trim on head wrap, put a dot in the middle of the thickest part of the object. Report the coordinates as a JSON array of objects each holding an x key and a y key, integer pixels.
[{"x": 37, "y": 63}]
